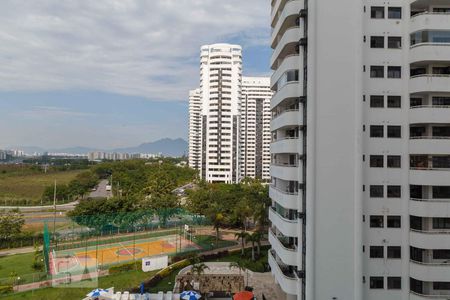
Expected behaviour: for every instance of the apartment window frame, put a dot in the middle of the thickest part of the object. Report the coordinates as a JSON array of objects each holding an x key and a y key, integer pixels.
[
  {"x": 376, "y": 101},
  {"x": 376, "y": 191},
  {"x": 377, "y": 12},
  {"x": 394, "y": 42},
  {"x": 376, "y": 282},
  {"x": 394, "y": 252},
  {"x": 394, "y": 221},
  {"x": 376, "y": 161},
  {"x": 376, "y": 71},
  {"x": 394, "y": 72},
  {"x": 376, "y": 221},
  {"x": 376, "y": 252},
  {"x": 377, "y": 42},
  {"x": 394, "y": 12},
  {"x": 394, "y": 283},
  {"x": 376, "y": 131},
  {"x": 394, "y": 101},
  {"x": 394, "y": 131},
  {"x": 394, "y": 161},
  {"x": 394, "y": 191}
]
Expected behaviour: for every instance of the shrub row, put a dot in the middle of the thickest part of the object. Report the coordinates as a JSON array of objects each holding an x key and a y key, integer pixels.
[{"x": 5, "y": 289}]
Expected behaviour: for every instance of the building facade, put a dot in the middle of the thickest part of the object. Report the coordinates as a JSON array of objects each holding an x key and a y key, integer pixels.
[
  {"x": 360, "y": 149},
  {"x": 255, "y": 136},
  {"x": 195, "y": 129}
]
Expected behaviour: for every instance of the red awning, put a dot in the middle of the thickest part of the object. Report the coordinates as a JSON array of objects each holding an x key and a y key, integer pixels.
[{"x": 243, "y": 296}]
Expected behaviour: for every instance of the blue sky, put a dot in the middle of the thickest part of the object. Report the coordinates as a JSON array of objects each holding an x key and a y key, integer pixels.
[{"x": 110, "y": 73}]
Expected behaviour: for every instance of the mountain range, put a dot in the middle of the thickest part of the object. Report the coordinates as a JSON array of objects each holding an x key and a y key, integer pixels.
[{"x": 167, "y": 147}]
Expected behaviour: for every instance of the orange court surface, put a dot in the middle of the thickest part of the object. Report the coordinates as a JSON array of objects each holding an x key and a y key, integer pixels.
[{"x": 89, "y": 257}]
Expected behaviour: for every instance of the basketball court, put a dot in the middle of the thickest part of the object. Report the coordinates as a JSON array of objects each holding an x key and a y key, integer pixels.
[{"x": 67, "y": 261}]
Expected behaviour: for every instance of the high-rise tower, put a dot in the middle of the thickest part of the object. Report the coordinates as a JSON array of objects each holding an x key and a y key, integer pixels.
[{"x": 361, "y": 199}]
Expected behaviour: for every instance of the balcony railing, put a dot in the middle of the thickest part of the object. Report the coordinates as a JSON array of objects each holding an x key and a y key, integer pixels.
[
  {"x": 431, "y": 75},
  {"x": 430, "y": 200},
  {"x": 429, "y": 137},
  {"x": 283, "y": 242},
  {"x": 443, "y": 263},
  {"x": 285, "y": 270},
  {"x": 430, "y": 106},
  {"x": 287, "y": 190},
  {"x": 284, "y": 218},
  {"x": 284, "y": 164},
  {"x": 441, "y": 296},
  {"x": 283, "y": 112},
  {"x": 439, "y": 231},
  {"x": 430, "y": 13},
  {"x": 429, "y": 169}
]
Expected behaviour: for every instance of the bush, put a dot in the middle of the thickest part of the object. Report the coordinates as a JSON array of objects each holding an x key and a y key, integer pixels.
[
  {"x": 124, "y": 267},
  {"x": 6, "y": 289}
]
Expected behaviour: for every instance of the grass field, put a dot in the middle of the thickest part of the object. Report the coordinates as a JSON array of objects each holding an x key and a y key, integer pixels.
[
  {"x": 121, "y": 281},
  {"x": 19, "y": 263},
  {"x": 16, "y": 187}
]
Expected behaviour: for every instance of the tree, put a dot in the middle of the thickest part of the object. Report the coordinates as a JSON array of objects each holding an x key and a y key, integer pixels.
[
  {"x": 242, "y": 236},
  {"x": 253, "y": 238},
  {"x": 199, "y": 269},
  {"x": 258, "y": 236},
  {"x": 241, "y": 265},
  {"x": 11, "y": 223}
]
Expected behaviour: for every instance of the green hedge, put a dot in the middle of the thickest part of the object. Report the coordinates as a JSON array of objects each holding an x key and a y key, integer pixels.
[
  {"x": 5, "y": 289},
  {"x": 125, "y": 267}
]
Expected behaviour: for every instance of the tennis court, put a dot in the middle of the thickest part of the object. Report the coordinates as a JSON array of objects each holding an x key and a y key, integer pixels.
[{"x": 90, "y": 257}]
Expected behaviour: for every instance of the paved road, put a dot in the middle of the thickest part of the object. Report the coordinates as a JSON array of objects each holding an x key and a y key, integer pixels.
[
  {"x": 67, "y": 206},
  {"x": 101, "y": 191}
]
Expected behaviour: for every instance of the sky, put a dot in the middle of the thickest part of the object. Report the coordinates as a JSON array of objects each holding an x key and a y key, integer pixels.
[{"x": 113, "y": 73}]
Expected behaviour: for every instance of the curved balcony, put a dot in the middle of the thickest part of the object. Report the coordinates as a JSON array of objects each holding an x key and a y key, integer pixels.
[
  {"x": 427, "y": 83},
  {"x": 292, "y": 35},
  {"x": 429, "y": 176},
  {"x": 291, "y": 10},
  {"x": 429, "y": 145},
  {"x": 290, "y": 62},
  {"x": 285, "y": 199},
  {"x": 429, "y": 114},
  {"x": 287, "y": 255},
  {"x": 429, "y": 271},
  {"x": 287, "y": 145},
  {"x": 417, "y": 296},
  {"x": 292, "y": 89},
  {"x": 287, "y": 118},
  {"x": 432, "y": 208},
  {"x": 430, "y": 239},
  {"x": 429, "y": 52},
  {"x": 288, "y": 282},
  {"x": 285, "y": 226},
  {"x": 286, "y": 172},
  {"x": 429, "y": 20}
]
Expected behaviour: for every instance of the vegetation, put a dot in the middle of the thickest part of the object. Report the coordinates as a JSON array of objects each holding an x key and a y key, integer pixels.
[{"x": 11, "y": 223}]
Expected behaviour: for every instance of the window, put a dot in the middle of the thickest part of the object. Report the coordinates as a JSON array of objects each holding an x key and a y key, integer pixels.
[
  {"x": 394, "y": 102},
  {"x": 376, "y": 191},
  {"x": 376, "y": 131},
  {"x": 441, "y": 254},
  {"x": 394, "y": 131},
  {"x": 376, "y": 221},
  {"x": 377, "y": 42},
  {"x": 377, "y": 12},
  {"x": 376, "y": 71},
  {"x": 394, "y": 191},
  {"x": 394, "y": 42},
  {"x": 394, "y": 161},
  {"x": 394, "y": 72},
  {"x": 394, "y": 252},
  {"x": 415, "y": 102},
  {"x": 377, "y": 101},
  {"x": 440, "y": 285},
  {"x": 394, "y": 283},
  {"x": 376, "y": 161},
  {"x": 376, "y": 282},
  {"x": 376, "y": 252},
  {"x": 394, "y": 221},
  {"x": 394, "y": 12},
  {"x": 441, "y": 223}
]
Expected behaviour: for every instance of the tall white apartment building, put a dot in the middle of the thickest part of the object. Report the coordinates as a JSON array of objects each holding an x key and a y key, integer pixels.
[
  {"x": 220, "y": 91},
  {"x": 361, "y": 149},
  {"x": 195, "y": 129},
  {"x": 255, "y": 116}
]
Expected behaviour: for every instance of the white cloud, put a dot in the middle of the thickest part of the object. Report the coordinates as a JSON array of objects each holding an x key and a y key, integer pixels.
[
  {"x": 51, "y": 113},
  {"x": 135, "y": 47}
]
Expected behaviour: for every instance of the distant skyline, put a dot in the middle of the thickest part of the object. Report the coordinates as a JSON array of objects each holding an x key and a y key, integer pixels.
[{"x": 110, "y": 74}]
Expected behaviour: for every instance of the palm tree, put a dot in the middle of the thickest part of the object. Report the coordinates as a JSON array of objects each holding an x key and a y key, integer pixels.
[
  {"x": 199, "y": 269},
  {"x": 242, "y": 236},
  {"x": 240, "y": 264},
  {"x": 258, "y": 236},
  {"x": 253, "y": 238}
]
